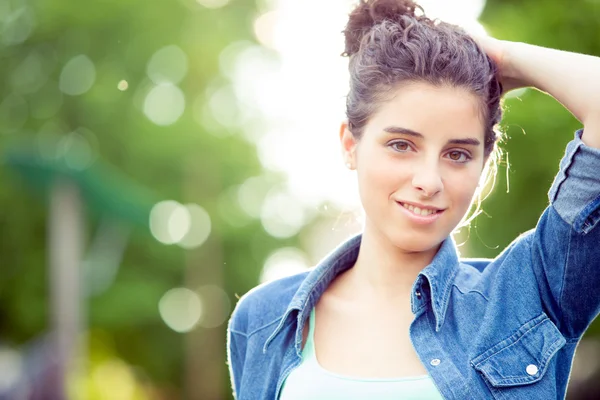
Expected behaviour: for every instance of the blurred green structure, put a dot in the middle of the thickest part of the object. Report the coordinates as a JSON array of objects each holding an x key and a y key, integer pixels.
[
  {"x": 104, "y": 190},
  {"x": 70, "y": 191}
]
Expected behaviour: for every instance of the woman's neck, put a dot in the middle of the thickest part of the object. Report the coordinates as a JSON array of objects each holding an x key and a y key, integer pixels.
[{"x": 383, "y": 271}]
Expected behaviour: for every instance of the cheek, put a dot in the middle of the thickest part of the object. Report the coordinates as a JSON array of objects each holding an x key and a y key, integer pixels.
[
  {"x": 380, "y": 172},
  {"x": 461, "y": 187}
]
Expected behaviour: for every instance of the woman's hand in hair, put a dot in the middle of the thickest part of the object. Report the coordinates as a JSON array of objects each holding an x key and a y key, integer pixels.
[
  {"x": 498, "y": 51},
  {"x": 573, "y": 79}
]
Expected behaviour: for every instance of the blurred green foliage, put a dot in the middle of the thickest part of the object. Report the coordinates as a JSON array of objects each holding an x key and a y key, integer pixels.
[{"x": 189, "y": 161}]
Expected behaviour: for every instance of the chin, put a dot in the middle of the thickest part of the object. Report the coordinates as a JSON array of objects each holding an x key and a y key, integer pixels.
[{"x": 415, "y": 243}]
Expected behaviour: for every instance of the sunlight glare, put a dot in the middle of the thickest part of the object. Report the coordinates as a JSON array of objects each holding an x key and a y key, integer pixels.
[
  {"x": 282, "y": 215},
  {"x": 302, "y": 94}
]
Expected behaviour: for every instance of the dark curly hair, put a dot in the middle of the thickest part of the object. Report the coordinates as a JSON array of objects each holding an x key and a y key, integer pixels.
[{"x": 391, "y": 42}]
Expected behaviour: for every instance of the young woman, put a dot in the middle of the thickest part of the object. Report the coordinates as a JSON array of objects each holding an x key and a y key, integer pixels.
[{"x": 393, "y": 313}]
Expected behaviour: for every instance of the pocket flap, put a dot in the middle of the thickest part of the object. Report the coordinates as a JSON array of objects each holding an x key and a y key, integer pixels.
[{"x": 522, "y": 358}]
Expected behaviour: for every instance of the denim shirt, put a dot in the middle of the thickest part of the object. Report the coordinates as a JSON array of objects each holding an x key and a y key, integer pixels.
[{"x": 505, "y": 328}]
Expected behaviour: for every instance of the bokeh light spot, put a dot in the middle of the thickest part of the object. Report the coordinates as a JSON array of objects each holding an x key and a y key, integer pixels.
[
  {"x": 168, "y": 65},
  {"x": 169, "y": 221},
  {"x": 77, "y": 76},
  {"x": 283, "y": 262},
  {"x": 17, "y": 25},
  {"x": 180, "y": 309},
  {"x": 206, "y": 119},
  {"x": 252, "y": 193},
  {"x": 199, "y": 227},
  {"x": 123, "y": 85},
  {"x": 228, "y": 57},
  {"x": 264, "y": 28},
  {"x": 164, "y": 104},
  {"x": 223, "y": 107},
  {"x": 179, "y": 223},
  {"x": 282, "y": 215}
]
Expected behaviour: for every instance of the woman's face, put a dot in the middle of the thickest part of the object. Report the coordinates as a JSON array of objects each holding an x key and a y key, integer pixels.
[{"x": 418, "y": 163}]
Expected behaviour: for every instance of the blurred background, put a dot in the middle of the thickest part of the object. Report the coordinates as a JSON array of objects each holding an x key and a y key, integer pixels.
[{"x": 159, "y": 159}]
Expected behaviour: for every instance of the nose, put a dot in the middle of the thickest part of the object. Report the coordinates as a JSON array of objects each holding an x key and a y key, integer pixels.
[{"x": 427, "y": 179}]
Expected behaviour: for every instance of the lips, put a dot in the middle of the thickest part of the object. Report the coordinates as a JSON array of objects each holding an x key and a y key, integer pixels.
[
  {"x": 420, "y": 209},
  {"x": 426, "y": 214}
]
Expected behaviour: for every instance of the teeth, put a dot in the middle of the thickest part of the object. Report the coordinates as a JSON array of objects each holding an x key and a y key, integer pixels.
[{"x": 418, "y": 211}]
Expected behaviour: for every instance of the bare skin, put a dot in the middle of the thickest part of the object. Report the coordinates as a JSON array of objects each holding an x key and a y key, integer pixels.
[{"x": 380, "y": 344}]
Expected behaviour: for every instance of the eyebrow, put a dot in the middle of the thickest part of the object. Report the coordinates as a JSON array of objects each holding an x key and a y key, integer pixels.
[{"x": 410, "y": 132}]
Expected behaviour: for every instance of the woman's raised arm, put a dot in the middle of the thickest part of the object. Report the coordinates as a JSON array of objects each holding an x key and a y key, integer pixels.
[
  {"x": 564, "y": 247},
  {"x": 571, "y": 78}
]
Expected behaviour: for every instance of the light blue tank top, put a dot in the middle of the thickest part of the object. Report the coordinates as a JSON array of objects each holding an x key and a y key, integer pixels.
[{"x": 309, "y": 381}]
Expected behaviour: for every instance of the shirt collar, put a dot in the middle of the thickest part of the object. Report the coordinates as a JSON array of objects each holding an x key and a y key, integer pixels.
[
  {"x": 438, "y": 275},
  {"x": 311, "y": 288}
]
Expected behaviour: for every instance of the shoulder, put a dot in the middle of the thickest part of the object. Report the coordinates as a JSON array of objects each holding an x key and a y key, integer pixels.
[
  {"x": 265, "y": 304},
  {"x": 472, "y": 271},
  {"x": 519, "y": 246}
]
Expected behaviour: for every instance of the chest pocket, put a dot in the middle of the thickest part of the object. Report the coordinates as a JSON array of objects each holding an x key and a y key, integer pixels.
[{"x": 524, "y": 357}]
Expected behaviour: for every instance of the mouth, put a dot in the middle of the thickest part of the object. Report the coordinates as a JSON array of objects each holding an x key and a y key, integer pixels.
[{"x": 420, "y": 210}]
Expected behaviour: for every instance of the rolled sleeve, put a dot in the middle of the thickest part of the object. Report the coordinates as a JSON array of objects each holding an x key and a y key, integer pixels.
[{"x": 575, "y": 193}]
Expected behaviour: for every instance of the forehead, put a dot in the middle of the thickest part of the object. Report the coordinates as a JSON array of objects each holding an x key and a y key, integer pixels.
[{"x": 434, "y": 111}]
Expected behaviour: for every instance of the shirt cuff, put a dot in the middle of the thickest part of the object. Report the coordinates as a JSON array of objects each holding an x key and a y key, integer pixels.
[{"x": 575, "y": 193}]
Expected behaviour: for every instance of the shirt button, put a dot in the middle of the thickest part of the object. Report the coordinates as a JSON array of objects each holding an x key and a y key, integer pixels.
[
  {"x": 418, "y": 293},
  {"x": 532, "y": 369},
  {"x": 436, "y": 361}
]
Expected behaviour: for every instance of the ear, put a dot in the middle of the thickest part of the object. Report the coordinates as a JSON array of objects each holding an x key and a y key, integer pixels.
[{"x": 349, "y": 144}]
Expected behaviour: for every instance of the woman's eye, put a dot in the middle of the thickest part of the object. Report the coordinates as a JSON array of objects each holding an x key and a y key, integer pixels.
[
  {"x": 458, "y": 156},
  {"x": 400, "y": 146}
]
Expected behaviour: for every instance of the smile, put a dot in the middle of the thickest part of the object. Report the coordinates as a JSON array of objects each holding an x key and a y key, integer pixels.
[
  {"x": 420, "y": 211},
  {"x": 420, "y": 215}
]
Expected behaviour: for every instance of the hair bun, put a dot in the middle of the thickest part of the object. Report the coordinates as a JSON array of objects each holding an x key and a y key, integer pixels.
[{"x": 369, "y": 13}]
